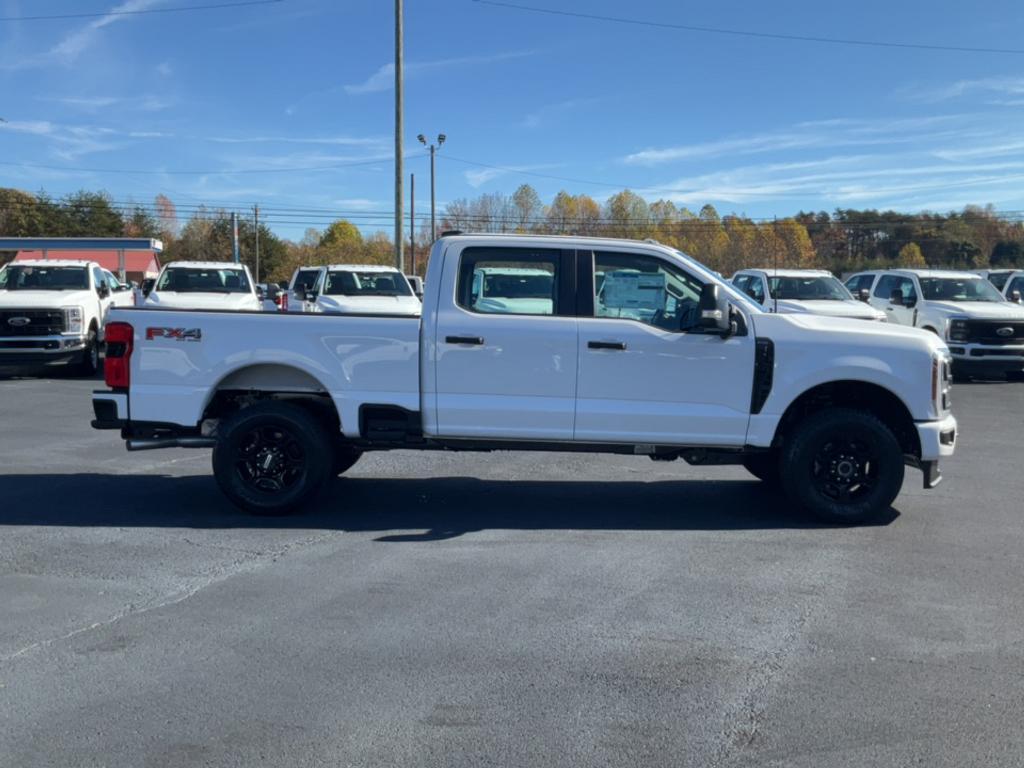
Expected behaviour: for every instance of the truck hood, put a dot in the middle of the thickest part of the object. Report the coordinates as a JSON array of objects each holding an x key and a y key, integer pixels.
[
  {"x": 193, "y": 300},
  {"x": 370, "y": 305},
  {"x": 45, "y": 299},
  {"x": 979, "y": 310},
  {"x": 839, "y": 332},
  {"x": 845, "y": 308}
]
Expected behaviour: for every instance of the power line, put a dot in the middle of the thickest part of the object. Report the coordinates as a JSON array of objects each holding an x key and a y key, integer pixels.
[
  {"x": 211, "y": 172},
  {"x": 177, "y": 9},
  {"x": 749, "y": 33}
]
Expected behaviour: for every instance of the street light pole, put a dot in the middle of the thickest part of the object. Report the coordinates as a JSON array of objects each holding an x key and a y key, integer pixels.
[
  {"x": 433, "y": 149},
  {"x": 399, "y": 170}
]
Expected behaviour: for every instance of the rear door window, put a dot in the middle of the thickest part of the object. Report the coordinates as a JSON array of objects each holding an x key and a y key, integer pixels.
[{"x": 510, "y": 281}]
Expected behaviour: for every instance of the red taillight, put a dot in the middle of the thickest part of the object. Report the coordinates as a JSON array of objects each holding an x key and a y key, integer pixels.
[
  {"x": 284, "y": 302},
  {"x": 116, "y": 366}
]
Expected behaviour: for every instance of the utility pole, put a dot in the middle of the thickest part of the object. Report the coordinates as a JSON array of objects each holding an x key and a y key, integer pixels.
[
  {"x": 412, "y": 221},
  {"x": 399, "y": 128},
  {"x": 433, "y": 150},
  {"x": 256, "y": 218},
  {"x": 234, "y": 237}
]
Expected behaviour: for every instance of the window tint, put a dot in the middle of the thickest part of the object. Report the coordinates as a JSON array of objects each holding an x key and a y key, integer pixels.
[
  {"x": 1016, "y": 285},
  {"x": 889, "y": 283},
  {"x": 509, "y": 281},
  {"x": 350, "y": 282},
  {"x": 306, "y": 279},
  {"x": 645, "y": 289},
  {"x": 998, "y": 279},
  {"x": 756, "y": 289},
  {"x": 859, "y": 283}
]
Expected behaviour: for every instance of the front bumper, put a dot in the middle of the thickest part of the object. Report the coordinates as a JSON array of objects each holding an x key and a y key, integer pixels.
[
  {"x": 40, "y": 350},
  {"x": 986, "y": 358}
]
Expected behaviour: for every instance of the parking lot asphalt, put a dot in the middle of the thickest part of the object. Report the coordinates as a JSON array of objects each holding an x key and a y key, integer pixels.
[{"x": 443, "y": 609}]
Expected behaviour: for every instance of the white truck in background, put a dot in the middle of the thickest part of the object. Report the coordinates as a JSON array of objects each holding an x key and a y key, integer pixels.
[
  {"x": 221, "y": 285},
  {"x": 660, "y": 358},
  {"x": 54, "y": 312},
  {"x": 813, "y": 291},
  {"x": 984, "y": 331}
]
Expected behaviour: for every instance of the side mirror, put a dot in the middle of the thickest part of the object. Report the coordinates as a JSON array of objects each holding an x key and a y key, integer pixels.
[
  {"x": 714, "y": 311},
  {"x": 864, "y": 295},
  {"x": 911, "y": 301},
  {"x": 310, "y": 295},
  {"x": 103, "y": 289},
  {"x": 1015, "y": 297},
  {"x": 147, "y": 286},
  {"x": 896, "y": 298}
]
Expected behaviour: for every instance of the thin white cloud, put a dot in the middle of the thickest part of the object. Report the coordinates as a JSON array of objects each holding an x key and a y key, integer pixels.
[
  {"x": 73, "y": 45},
  {"x": 359, "y": 203},
  {"x": 344, "y": 141},
  {"x": 1008, "y": 85},
  {"x": 140, "y": 103},
  {"x": 384, "y": 78},
  {"x": 551, "y": 111}
]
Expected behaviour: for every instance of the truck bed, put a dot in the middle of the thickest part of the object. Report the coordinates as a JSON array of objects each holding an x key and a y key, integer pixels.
[{"x": 180, "y": 357}]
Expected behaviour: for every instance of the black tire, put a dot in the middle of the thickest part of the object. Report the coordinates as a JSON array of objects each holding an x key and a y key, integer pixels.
[
  {"x": 765, "y": 467},
  {"x": 271, "y": 458},
  {"x": 843, "y": 466},
  {"x": 90, "y": 362},
  {"x": 345, "y": 458}
]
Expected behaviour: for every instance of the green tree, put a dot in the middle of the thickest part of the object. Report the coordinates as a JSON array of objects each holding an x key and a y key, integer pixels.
[
  {"x": 627, "y": 215},
  {"x": 20, "y": 215},
  {"x": 91, "y": 214}
]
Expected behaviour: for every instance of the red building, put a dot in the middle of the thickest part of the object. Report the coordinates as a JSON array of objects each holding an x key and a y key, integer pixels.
[{"x": 131, "y": 259}]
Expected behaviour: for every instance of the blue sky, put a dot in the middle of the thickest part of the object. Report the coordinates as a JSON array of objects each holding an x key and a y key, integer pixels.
[{"x": 222, "y": 106}]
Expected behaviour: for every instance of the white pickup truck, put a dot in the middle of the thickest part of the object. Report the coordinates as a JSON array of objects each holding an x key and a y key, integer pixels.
[
  {"x": 53, "y": 312},
  {"x": 221, "y": 285},
  {"x": 664, "y": 359},
  {"x": 793, "y": 291},
  {"x": 985, "y": 332}
]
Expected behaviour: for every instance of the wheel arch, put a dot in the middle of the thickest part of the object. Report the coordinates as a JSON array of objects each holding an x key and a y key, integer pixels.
[
  {"x": 860, "y": 395},
  {"x": 256, "y": 382}
]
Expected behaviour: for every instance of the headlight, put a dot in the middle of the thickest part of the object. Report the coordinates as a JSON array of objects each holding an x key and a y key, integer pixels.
[
  {"x": 957, "y": 330},
  {"x": 73, "y": 320}
]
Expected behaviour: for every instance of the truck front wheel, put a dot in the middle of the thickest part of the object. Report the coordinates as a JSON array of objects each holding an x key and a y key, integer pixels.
[
  {"x": 271, "y": 458},
  {"x": 843, "y": 466},
  {"x": 90, "y": 362}
]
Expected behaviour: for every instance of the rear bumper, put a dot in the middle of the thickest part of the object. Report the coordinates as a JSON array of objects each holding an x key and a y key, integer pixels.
[{"x": 110, "y": 409}]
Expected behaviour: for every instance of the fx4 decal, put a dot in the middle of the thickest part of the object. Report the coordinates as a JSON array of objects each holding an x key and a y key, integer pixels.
[{"x": 180, "y": 334}]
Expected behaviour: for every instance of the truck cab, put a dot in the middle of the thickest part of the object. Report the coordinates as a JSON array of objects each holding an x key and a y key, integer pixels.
[
  {"x": 618, "y": 346},
  {"x": 54, "y": 312},
  {"x": 984, "y": 331},
  {"x": 364, "y": 289}
]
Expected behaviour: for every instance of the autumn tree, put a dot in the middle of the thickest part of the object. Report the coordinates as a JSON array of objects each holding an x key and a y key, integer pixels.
[
  {"x": 527, "y": 207},
  {"x": 911, "y": 256}
]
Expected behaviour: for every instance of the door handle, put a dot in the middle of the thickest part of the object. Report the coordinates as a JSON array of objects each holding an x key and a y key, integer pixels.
[
  {"x": 616, "y": 345},
  {"x": 473, "y": 340}
]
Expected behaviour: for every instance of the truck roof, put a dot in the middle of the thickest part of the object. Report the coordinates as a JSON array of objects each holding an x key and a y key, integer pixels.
[
  {"x": 772, "y": 272},
  {"x": 954, "y": 273},
  {"x": 205, "y": 265},
  {"x": 53, "y": 263},
  {"x": 359, "y": 268}
]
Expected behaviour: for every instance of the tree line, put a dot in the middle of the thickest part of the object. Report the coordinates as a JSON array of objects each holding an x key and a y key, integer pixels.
[{"x": 841, "y": 241}]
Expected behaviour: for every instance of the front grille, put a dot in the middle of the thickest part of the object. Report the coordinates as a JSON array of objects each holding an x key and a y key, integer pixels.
[
  {"x": 987, "y": 331},
  {"x": 31, "y": 322}
]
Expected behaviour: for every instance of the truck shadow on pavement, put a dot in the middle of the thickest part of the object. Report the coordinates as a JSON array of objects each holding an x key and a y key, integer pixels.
[{"x": 407, "y": 510}]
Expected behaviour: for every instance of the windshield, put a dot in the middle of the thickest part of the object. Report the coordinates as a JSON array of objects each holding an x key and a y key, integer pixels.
[
  {"x": 1016, "y": 285},
  {"x": 350, "y": 283},
  {"x": 199, "y": 280},
  {"x": 959, "y": 289},
  {"x": 17, "y": 278},
  {"x": 305, "y": 279},
  {"x": 808, "y": 288}
]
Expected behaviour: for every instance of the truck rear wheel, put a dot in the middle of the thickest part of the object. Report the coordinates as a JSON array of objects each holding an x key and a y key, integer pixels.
[
  {"x": 271, "y": 458},
  {"x": 843, "y": 466}
]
